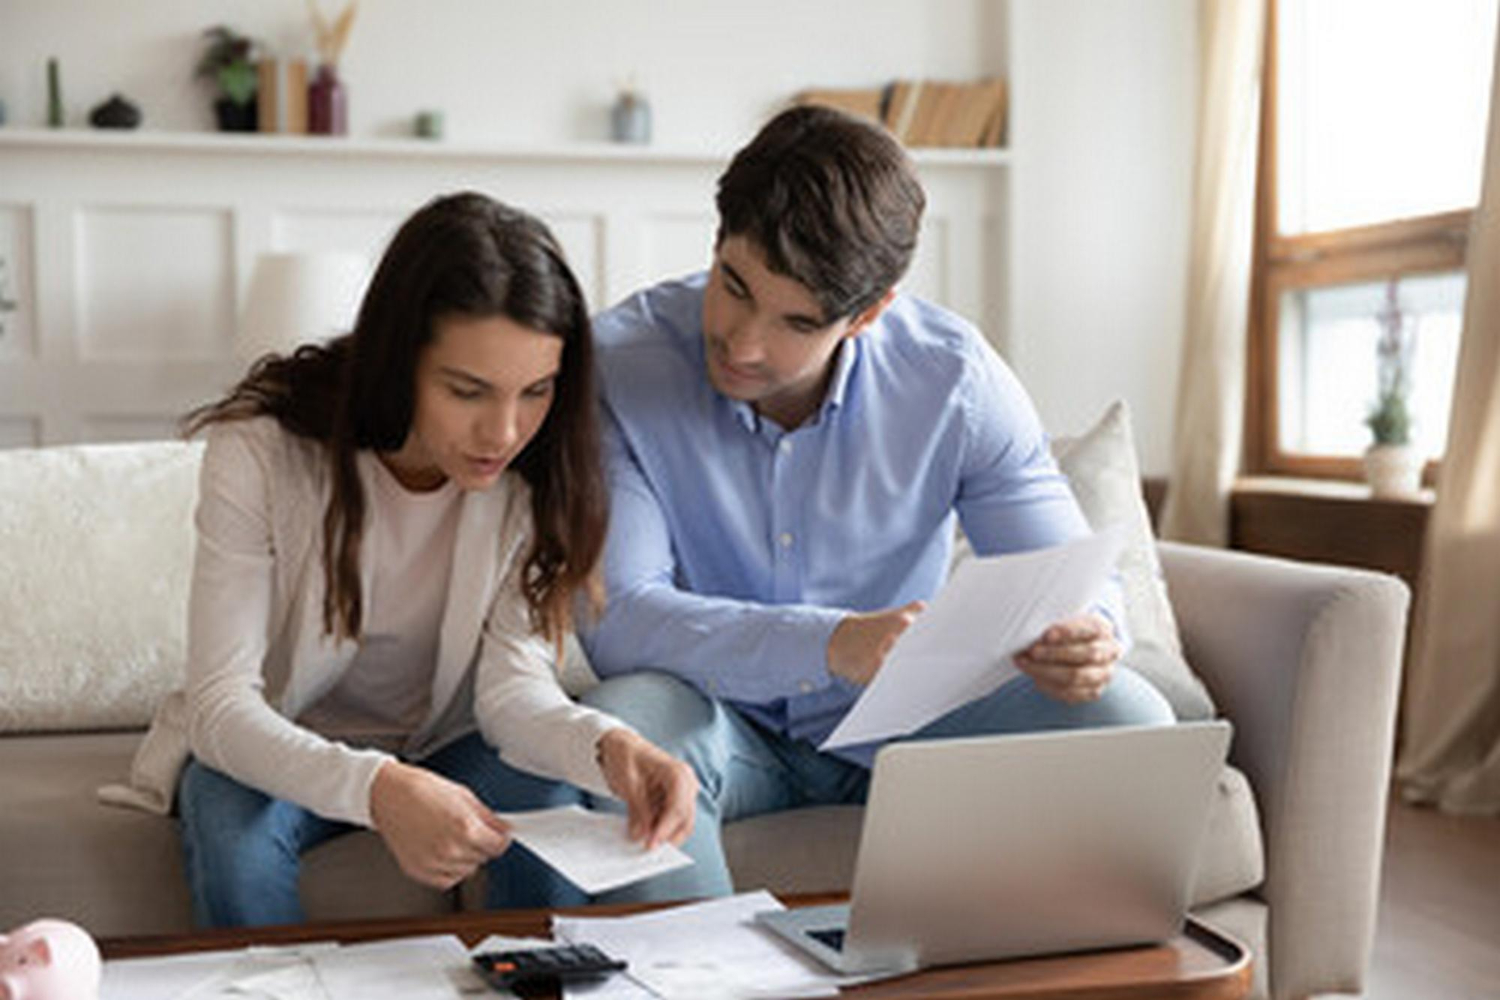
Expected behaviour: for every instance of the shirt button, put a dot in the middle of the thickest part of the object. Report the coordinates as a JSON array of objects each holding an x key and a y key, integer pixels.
[
  {"x": 785, "y": 447},
  {"x": 805, "y": 687},
  {"x": 786, "y": 539}
]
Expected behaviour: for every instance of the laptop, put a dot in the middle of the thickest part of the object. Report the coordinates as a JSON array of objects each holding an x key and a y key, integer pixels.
[{"x": 992, "y": 847}]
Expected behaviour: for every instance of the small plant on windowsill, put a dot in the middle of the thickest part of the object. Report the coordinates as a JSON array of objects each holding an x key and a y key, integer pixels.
[{"x": 1393, "y": 465}]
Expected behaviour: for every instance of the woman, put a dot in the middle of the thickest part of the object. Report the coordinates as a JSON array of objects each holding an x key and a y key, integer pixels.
[{"x": 392, "y": 529}]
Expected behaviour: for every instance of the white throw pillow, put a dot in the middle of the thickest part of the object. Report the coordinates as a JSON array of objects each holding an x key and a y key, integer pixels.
[
  {"x": 97, "y": 545},
  {"x": 1101, "y": 467}
]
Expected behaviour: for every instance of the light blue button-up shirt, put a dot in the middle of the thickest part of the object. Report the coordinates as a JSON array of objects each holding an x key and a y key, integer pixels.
[{"x": 735, "y": 546}]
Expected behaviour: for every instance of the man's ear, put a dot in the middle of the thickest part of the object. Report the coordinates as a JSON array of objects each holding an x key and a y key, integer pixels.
[{"x": 869, "y": 314}]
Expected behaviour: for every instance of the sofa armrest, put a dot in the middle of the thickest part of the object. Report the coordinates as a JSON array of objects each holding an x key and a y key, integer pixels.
[{"x": 1305, "y": 660}]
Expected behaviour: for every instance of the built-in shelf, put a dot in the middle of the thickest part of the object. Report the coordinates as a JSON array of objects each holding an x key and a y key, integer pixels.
[{"x": 367, "y": 148}]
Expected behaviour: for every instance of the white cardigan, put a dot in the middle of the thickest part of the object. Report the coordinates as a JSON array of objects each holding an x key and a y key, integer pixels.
[{"x": 258, "y": 656}]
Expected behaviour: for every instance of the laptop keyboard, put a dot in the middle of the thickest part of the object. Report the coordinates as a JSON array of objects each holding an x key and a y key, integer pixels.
[{"x": 832, "y": 938}]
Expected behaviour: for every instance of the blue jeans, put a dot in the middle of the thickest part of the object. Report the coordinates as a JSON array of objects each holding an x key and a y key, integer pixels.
[
  {"x": 745, "y": 769},
  {"x": 243, "y": 848}
]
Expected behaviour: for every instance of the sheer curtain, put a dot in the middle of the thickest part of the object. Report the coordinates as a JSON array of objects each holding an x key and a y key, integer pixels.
[
  {"x": 1210, "y": 387},
  {"x": 1450, "y": 752}
]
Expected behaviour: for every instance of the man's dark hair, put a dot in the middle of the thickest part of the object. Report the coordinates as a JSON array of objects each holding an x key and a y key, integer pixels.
[{"x": 831, "y": 200}]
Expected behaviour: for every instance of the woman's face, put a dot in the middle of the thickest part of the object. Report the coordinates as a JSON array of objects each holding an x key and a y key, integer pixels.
[{"x": 483, "y": 387}]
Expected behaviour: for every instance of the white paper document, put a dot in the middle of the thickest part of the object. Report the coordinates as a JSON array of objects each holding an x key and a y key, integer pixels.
[
  {"x": 960, "y": 648},
  {"x": 422, "y": 968},
  {"x": 703, "y": 951},
  {"x": 591, "y": 849}
]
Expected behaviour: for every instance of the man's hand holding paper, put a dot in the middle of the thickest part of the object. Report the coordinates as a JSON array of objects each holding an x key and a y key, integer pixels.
[
  {"x": 1074, "y": 659},
  {"x": 996, "y": 617}
]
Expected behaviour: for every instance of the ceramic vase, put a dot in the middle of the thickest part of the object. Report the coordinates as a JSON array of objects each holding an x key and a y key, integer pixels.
[
  {"x": 630, "y": 119},
  {"x": 1393, "y": 470},
  {"x": 327, "y": 103}
]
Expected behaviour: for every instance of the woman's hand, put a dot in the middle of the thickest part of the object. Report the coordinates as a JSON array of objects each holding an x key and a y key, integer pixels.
[
  {"x": 659, "y": 790},
  {"x": 437, "y": 830},
  {"x": 1074, "y": 659}
]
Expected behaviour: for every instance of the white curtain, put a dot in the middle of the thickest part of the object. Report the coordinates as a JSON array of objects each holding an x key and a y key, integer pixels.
[
  {"x": 1210, "y": 387},
  {"x": 1450, "y": 752}
]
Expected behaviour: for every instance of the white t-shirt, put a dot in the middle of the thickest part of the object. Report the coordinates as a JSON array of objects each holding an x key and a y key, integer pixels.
[{"x": 384, "y": 697}]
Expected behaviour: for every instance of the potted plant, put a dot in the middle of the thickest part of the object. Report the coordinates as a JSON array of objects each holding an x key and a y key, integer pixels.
[
  {"x": 229, "y": 63},
  {"x": 1393, "y": 465}
]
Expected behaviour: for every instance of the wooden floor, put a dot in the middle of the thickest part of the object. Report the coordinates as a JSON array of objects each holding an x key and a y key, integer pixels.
[{"x": 1438, "y": 932}]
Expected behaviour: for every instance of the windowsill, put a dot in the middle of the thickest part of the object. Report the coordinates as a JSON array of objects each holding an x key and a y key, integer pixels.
[
  {"x": 1338, "y": 490},
  {"x": 1330, "y": 521}
]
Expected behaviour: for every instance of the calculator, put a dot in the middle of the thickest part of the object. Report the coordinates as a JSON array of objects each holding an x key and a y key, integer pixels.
[{"x": 545, "y": 968}]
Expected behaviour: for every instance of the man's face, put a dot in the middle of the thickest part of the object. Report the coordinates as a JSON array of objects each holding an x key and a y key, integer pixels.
[{"x": 766, "y": 340}]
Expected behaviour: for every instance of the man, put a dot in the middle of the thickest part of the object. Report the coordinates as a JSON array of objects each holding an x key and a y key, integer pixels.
[{"x": 790, "y": 439}]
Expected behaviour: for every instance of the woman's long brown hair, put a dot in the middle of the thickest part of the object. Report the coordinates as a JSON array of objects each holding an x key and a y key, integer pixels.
[{"x": 460, "y": 255}]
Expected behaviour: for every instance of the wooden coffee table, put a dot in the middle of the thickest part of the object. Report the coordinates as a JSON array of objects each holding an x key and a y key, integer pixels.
[{"x": 1199, "y": 964}]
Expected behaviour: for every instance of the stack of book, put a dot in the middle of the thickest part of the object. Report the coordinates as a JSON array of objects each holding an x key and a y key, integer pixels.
[
  {"x": 927, "y": 112},
  {"x": 281, "y": 96}
]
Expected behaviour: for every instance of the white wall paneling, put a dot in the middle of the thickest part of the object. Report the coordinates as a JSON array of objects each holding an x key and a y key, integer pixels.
[
  {"x": 173, "y": 266},
  {"x": 143, "y": 246},
  {"x": 17, "y": 291}
]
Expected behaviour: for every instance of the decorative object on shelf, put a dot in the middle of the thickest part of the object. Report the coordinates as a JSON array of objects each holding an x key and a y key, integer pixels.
[
  {"x": 327, "y": 98},
  {"x": 116, "y": 112},
  {"x": 281, "y": 97},
  {"x": 54, "y": 95},
  {"x": 1393, "y": 465},
  {"x": 630, "y": 118},
  {"x": 299, "y": 298},
  {"x": 229, "y": 63},
  {"x": 49, "y": 960},
  {"x": 428, "y": 125}
]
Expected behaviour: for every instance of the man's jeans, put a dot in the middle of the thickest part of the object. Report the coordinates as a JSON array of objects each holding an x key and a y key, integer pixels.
[
  {"x": 745, "y": 769},
  {"x": 242, "y": 848}
]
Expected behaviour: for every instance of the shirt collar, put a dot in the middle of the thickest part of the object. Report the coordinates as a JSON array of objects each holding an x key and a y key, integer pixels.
[
  {"x": 838, "y": 387},
  {"x": 843, "y": 364}
]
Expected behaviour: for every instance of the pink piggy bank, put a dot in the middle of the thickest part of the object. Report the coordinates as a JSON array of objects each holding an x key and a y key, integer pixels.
[{"x": 48, "y": 960}]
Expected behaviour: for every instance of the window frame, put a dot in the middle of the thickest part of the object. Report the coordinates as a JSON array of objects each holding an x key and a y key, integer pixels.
[{"x": 1412, "y": 246}]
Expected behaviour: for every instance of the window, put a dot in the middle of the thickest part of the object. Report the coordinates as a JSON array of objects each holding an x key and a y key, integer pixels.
[{"x": 1373, "y": 132}]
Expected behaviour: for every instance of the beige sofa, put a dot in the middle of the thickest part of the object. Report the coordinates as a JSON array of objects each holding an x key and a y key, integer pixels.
[{"x": 1303, "y": 659}]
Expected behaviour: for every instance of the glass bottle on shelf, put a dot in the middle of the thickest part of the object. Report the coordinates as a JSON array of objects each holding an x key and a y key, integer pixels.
[{"x": 327, "y": 103}]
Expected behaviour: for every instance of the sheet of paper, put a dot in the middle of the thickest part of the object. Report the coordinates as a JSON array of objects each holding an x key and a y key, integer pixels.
[
  {"x": 265, "y": 973},
  {"x": 591, "y": 849},
  {"x": 423, "y": 968},
  {"x": 417, "y": 968},
  {"x": 703, "y": 951},
  {"x": 960, "y": 648},
  {"x": 162, "y": 978}
]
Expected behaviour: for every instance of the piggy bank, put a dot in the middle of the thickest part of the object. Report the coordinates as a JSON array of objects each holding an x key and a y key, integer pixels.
[{"x": 48, "y": 960}]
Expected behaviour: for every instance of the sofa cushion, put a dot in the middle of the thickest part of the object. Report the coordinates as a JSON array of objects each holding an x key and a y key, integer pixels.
[
  {"x": 1101, "y": 467},
  {"x": 119, "y": 871},
  {"x": 98, "y": 544},
  {"x": 813, "y": 849}
]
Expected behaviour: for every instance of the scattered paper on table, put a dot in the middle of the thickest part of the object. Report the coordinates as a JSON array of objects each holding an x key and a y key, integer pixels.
[
  {"x": 414, "y": 968},
  {"x": 702, "y": 951},
  {"x": 591, "y": 849},
  {"x": 422, "y": 968},
  {"x": 960, "y": 648}
]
